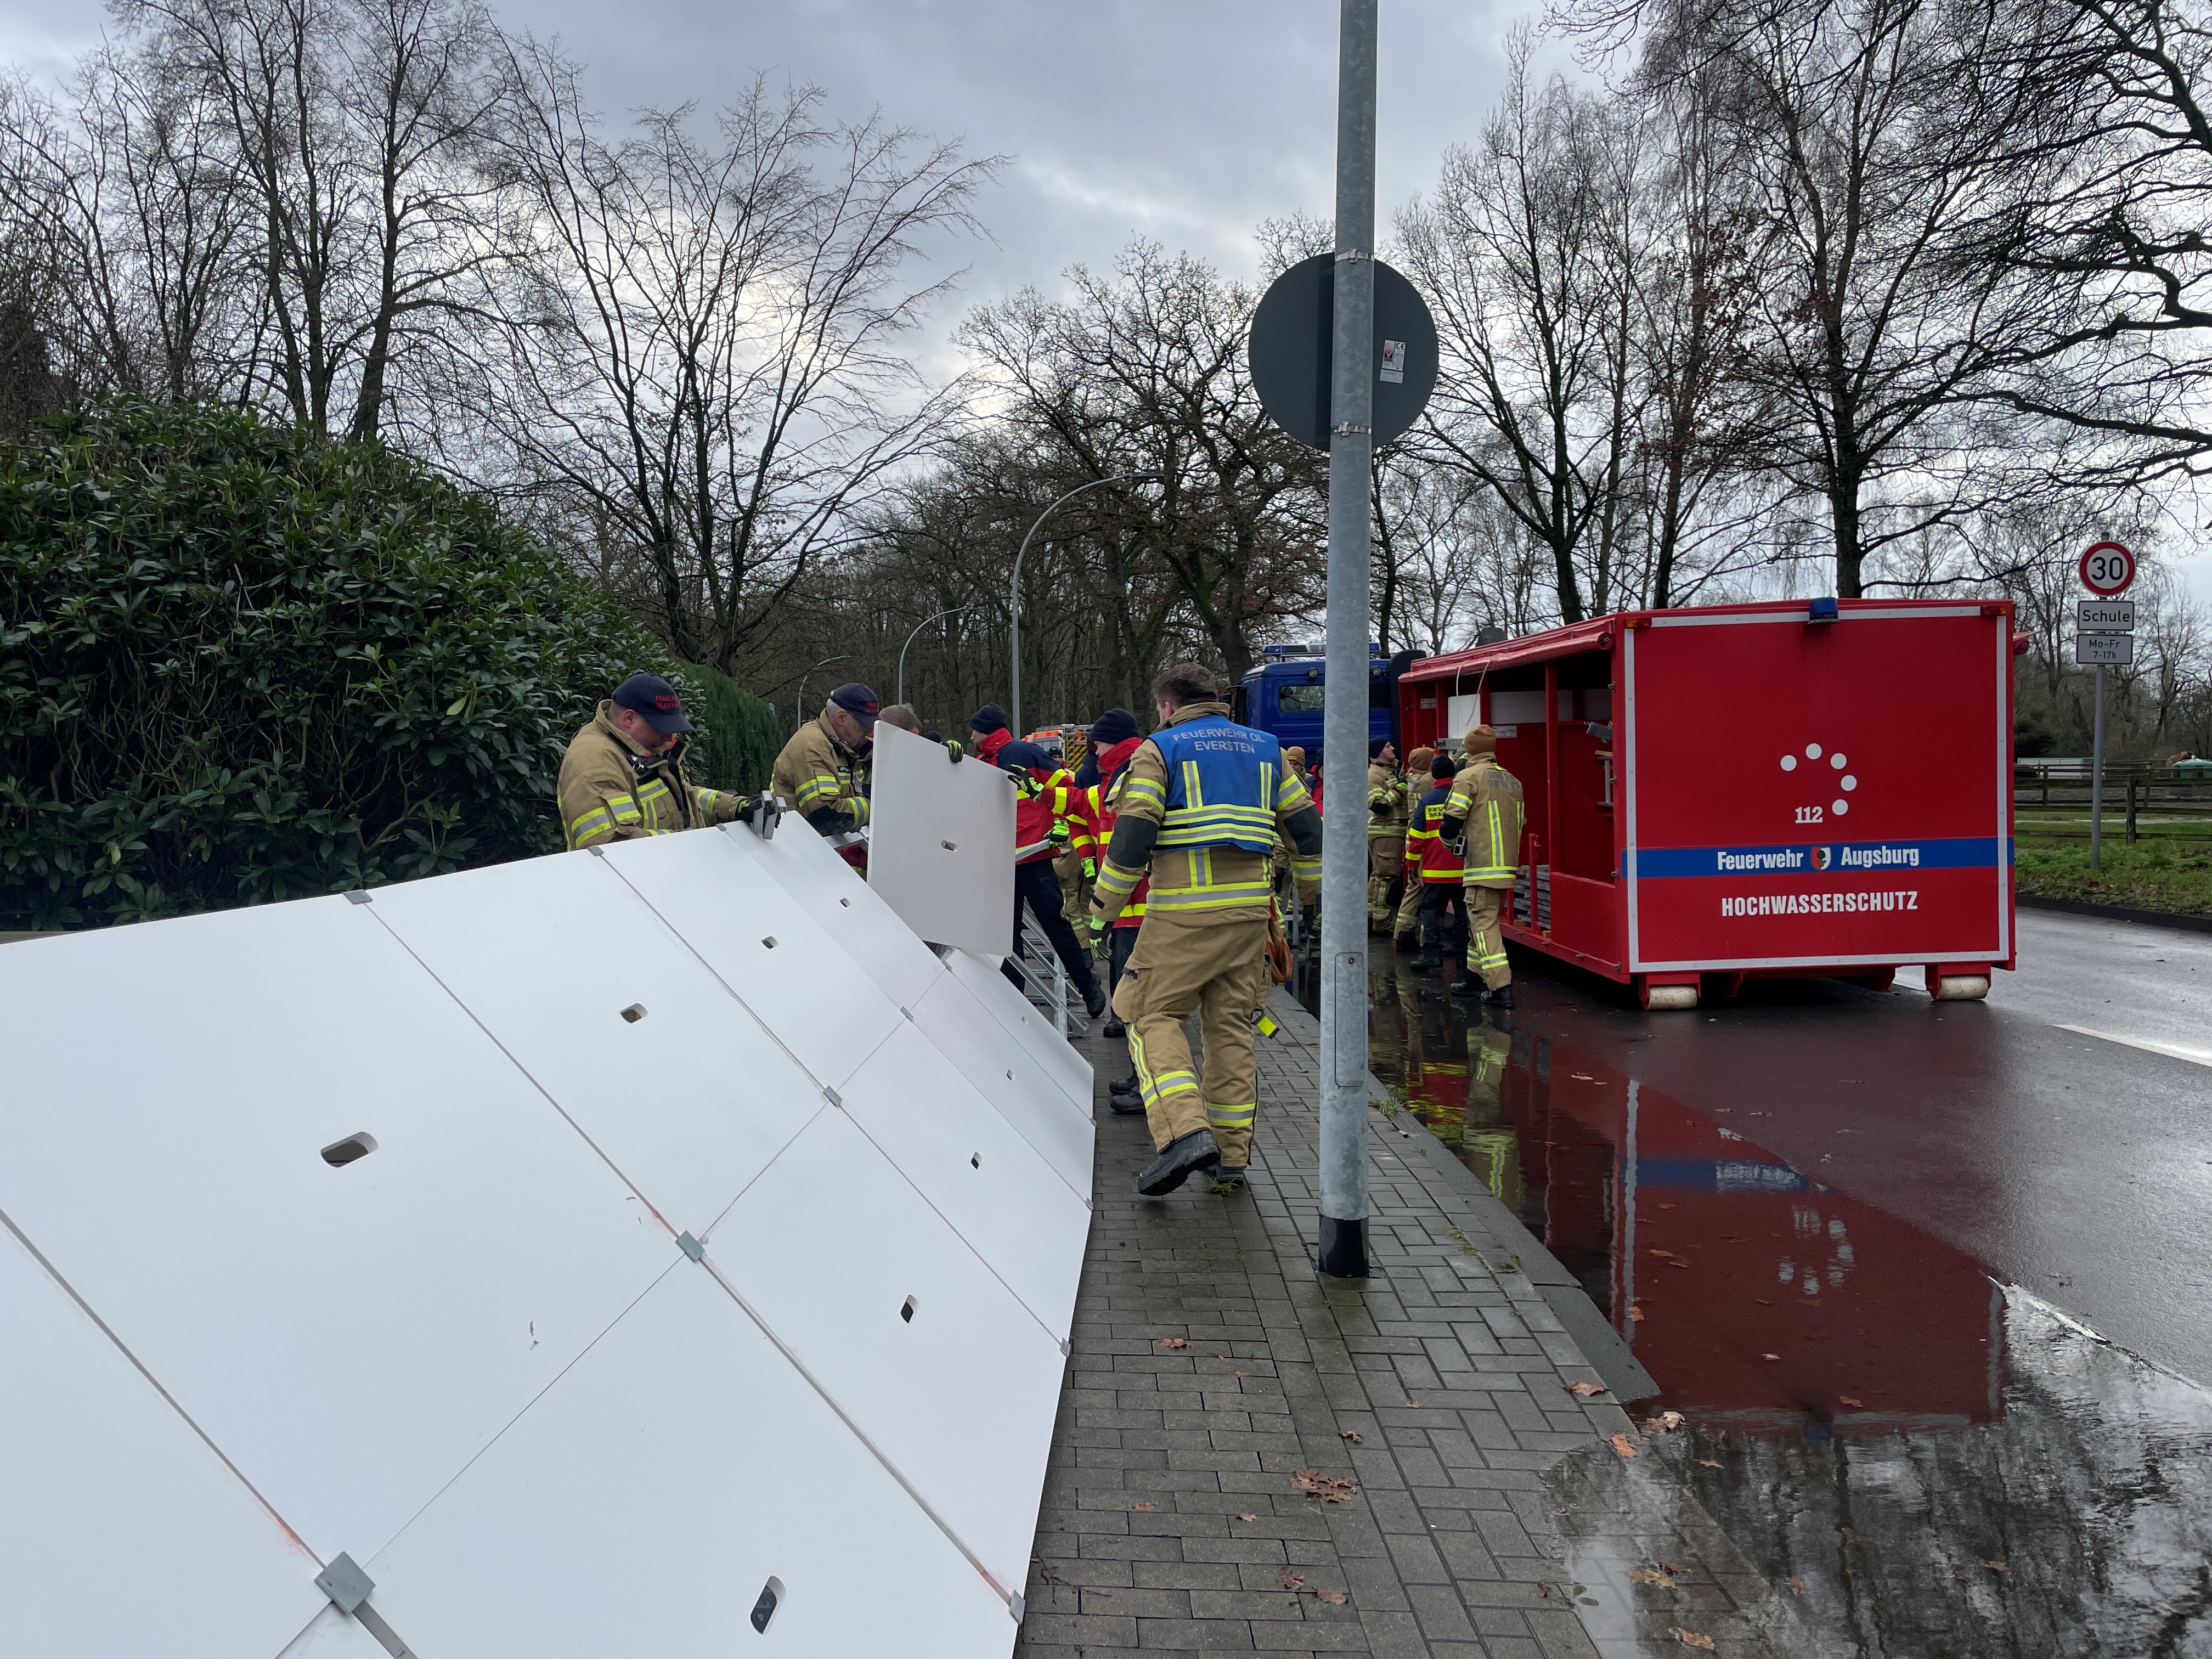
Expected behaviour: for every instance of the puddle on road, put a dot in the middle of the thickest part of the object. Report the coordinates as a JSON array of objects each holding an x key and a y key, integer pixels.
[{"x": 1926, "y": 1463}]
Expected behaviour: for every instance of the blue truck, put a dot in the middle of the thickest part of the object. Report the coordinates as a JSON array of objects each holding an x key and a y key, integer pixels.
[{"x": 1284, "y": 695}]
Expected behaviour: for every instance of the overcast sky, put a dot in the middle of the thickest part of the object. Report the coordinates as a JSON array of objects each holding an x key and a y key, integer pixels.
[{"x": 1185, "y": 120}]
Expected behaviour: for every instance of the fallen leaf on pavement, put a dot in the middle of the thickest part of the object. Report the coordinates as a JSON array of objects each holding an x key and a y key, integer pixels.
[
  {"x": 1581, "y": 1077},
  {"x": 1144, "y": 1506},
  {"x": 1651, "y": 1575},
  {"x": 1174, "y": 1342},
  {"x": 1670, "y": 1254},
  {"x": 1635, "y": 1313},
  {"x": 1216, "y": 1356},
  {"x": 1288, "y": 1579},
  {"x": 1853, "y": 1535},
  {"x": 1690, "y": 1638},
  {"x": 1239, "y": 1373},
  {"x": 1622, "y": 1445},
  {"x": 1664, "y": 1423},
  {"x": 1352, "y": 1435},
  {"x": 1770, "y": 1356},
  {"x": 1585, "y": 1390},
  {"x": 1671, "y": 1206},
  {"x": 1329, "y": 1488},
  {"x": 1415, "y": 1404},
  {"x": 1673, "y": 1566},
  {"x": 1994, "y": 1567},
  {"x": 1248, "y": 1517},
  {"x": 1710, "y": 1464},
  {"x": 1796, "y": 1584},
  {"x": 1848, "y": 1400},
  {"x": 1334, "y": 1598}
]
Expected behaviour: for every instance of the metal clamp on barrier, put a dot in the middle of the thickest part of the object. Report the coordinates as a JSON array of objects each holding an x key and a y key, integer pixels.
[
  {"x": 767, "y": 813},
  {"x": 349, "y": 1589}
]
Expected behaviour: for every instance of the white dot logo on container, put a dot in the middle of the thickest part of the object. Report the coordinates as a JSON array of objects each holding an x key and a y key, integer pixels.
[{"x": 1825, "y": 769}]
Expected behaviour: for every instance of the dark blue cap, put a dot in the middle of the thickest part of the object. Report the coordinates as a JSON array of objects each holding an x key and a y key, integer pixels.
[
  {"x": 857, "y": 701},
  {"x": 1014, "y": 757},
  {"x": 989, "y": 718},
  {"x": 656, "y": 699}
]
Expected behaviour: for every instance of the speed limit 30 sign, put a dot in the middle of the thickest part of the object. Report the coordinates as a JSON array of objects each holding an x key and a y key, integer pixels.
[{"x": 2107, "y": 570}]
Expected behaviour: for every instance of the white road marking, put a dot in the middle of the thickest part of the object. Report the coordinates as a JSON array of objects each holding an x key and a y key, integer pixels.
[{"x": 2196, "y": 1056}]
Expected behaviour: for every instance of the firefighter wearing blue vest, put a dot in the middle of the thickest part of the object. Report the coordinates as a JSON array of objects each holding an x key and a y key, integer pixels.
[
  {"x": 1201, "y": 804},
  {"x": 1485, "y": 807}
]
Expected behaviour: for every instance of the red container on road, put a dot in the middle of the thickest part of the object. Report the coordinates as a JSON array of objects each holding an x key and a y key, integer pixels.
[{"x": 1741, "y": 791}]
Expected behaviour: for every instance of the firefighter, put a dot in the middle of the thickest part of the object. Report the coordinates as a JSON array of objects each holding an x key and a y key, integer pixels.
[
  {"x": 1386, "y": 831},
  {"x": 1201, "y": 805},
  {"x": 1079, "y": 868},
  {"x": 1417, "y": 779},
  {"x": 1041, "y": 831},
  {"x": 623, "y": 775},
  {"x": 823, "y": 770},
  {"x": 1434, "y": 873},
  {"x": 987, "y": 733},
  {"x": 1122, "y": 1094},
  {"x": 1484, "y": 813}
]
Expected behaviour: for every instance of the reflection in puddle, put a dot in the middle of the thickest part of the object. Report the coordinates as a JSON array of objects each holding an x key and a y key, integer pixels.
[{"x": 1914, "y": 1461}]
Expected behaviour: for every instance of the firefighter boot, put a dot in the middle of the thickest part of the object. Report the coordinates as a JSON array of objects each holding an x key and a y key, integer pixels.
[
  {"x": 1467, "y": 985},
  {"x": 1500, "y": 998},
  {"x": 1179, "y": 1160},
  {"x": 1113, "y": 1027},
  {"x": 1122, "y": 1095},
  {"x": 1225, "y": 1179}
]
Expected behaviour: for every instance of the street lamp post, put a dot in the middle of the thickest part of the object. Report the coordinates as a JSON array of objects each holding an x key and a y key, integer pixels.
[
  {"x": 900, "y": 697},
  {"x": 801, "y": 705},
  {"x": 1014, "y": 589}
]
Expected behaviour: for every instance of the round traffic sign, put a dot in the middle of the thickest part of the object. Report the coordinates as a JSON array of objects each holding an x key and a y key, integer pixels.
[
  {"x": 1292, "y": 330},
  {"x": 2107, "y": 568}
]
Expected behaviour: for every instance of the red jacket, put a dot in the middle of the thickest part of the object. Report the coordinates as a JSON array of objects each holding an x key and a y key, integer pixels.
[
  {"x": 1111, "y": 762},
  {"x": 1048, "y": 797},
  {"x": 992, "y": 744}
]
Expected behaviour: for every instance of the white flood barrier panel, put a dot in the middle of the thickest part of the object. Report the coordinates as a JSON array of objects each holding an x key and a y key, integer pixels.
[
  {"x": 676, "y": 1473},
  {"x": 941, "y": 841},
  {"x": 596, "y": 1250},
  {"x": 121, "y": 1532},
  {"x": 351, "y": 1326},
  {"x": 931, "y": 1358},
  {"x": 830, "y": 891},
  {"x": 973, "y": 1168},
  {"x": 805, "y": 988},
  {"x": 1034, "y": 1028},
  {"x": 643, "y": 1049},
  {"x": 1011, "y": 1075}
]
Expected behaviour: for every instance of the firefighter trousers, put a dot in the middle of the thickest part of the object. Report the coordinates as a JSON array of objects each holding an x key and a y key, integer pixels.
[
  {"x": 1485, "y": 940},
  {"x": 1220, "y": 970},
  {"x": 1074, "y": 892},
  {"x": 1409, "y": 908},
  {"x": 1034, "y": 883},
  {"x": 1443, "y": 916},
  {"x": 1386, "y": 867}
]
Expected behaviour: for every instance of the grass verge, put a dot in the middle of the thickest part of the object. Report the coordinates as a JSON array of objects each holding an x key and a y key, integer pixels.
[{"x": 2147, "y": 876}]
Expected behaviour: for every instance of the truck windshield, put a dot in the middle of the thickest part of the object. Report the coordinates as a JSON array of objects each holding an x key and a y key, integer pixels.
[{"x": 1299, "y": 699}]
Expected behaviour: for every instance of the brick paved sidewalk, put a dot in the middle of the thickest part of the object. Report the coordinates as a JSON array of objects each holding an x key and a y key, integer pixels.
[{"x": 1210, "y": 1364}]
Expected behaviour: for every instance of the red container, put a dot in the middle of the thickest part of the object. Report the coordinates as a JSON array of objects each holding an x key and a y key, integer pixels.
[{"x": 1753, "y": 791}]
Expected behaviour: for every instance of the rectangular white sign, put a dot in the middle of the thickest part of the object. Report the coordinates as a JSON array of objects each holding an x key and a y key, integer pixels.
[
  {"x": 2094, "y": 649},
  {"x": 2094, "y": 614}
]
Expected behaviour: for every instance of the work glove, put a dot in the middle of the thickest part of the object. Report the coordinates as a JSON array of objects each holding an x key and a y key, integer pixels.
[
  {"x": 1098, "y": 926},
  {"x": 1091, "y": 869},
  {"x": 1058, "y": 834},
  {"x": 747, "y": 807},
  {"x": 957, "y": 751}
]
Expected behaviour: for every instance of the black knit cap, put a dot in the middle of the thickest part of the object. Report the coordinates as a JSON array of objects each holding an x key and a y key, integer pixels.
[
  {"x": 1444, "y": 766},
  {"x": 1375, "y": 746},
  {"x": 1115, "y": 725},
  {"x": 989, "y": 718}
]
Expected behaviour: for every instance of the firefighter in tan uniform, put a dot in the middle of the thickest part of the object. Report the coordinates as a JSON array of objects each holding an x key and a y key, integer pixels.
[
  {"x": 823, "y": 771},
  {"x": 623, "y": 775},
  {"x": 1201, "y": 804},
  {"x": 1485, "y": 806},
  {"x": 1386, "y": 831},
  {"x": 1408, "y": 934}
]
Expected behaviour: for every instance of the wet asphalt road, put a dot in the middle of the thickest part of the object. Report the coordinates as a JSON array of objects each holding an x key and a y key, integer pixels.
[{"x": 1931, "y": 1283}]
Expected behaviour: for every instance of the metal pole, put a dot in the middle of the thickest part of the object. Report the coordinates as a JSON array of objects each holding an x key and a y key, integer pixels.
[
  {"x": 2097, "y": 780},
  {"x": 1344, "y": 717},
  {"x": 900, "y": 695},
  {"x": 1014, "y": 587}
]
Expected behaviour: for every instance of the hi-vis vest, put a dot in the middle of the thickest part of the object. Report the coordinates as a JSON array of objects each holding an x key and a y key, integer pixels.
[
  {"x": 1426, "y": 850},
  {"x": 1221, "y": 784}
]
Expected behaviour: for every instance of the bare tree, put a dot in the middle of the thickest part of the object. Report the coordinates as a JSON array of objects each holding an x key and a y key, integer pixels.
[
  {"x": 1145, "y": 369},
  {"x": 1522, "y": 252}
]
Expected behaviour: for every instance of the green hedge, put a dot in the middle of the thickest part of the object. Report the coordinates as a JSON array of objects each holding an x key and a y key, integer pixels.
[
  {"x": 238, "y": 665},
  {"x": 738, "y": 737}
]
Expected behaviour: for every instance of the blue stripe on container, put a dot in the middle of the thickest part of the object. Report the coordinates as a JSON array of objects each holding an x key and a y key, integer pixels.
[{"x": 1846, "y": 857}]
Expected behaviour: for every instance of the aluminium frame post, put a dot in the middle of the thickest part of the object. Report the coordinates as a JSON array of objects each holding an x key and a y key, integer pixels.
[
  {"x": 2097, "y": 780},
  {"x": 1343, "y": 1081}
]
